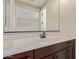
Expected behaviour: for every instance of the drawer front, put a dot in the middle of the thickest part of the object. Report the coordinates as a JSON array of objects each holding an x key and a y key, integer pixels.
[
  {"x": 8, "y": 57},
  {"x": 25, "y": 55},
  {"x": 50, "y": 57},
  {"x": 42, "y": 52},
  {"x": 71, "y": 43},
  {"x": 58, "y": 55}
]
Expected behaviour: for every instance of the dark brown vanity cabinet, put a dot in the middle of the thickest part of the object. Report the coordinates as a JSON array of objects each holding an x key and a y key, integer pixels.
[
  {"x": 70, "y": 51},
  {"x": 50, "y": 50},
  {"x": 49, "y": 57},
  {"x": 25, "y": 55},
  {"x": 61, "y": 54},
  {"x": 64, "y": 50},
  {"x": 65, "y": 53},
  {"x": 58, "y": 55}
]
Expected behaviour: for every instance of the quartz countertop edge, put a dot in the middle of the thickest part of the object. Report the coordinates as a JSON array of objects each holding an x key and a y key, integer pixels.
[{"x": 12, "y": 51}]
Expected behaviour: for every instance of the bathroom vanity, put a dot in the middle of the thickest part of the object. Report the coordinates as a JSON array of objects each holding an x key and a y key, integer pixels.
[
  {"x": 60, "y": 50},
  {"x": 22, "y": 16}
]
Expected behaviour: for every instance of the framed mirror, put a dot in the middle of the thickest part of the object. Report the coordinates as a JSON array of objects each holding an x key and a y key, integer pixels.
[
  {"x": 32, "y": 15},
  {"x": 6, "y": 14}
]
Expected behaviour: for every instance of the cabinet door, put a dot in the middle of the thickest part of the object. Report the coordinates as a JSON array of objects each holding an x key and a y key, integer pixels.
[
  {"x": 61, "y": 54},
  {"x": 70, "y": 53},
  {"x": 71, "y": 50},
  {"x": 58, "y": 55}
]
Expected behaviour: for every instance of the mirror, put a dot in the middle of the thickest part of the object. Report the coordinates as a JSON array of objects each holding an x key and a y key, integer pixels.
[
  {"x": 28, "y": 17},
  {"x": 6, "y": 12},
  {"x": 33, "y": 15}
]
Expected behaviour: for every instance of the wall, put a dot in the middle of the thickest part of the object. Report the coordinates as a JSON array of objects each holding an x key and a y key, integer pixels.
[
  {"x": 68, "y": 16},
  {"x": 67, "y": 26},
  {"x": 53, "y": 16}
]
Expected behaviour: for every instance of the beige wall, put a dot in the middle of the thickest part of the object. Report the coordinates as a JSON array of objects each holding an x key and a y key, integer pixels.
[
  {"x": 67, "y": 16},
  {"x": 53, "y": 16},
  {"x": 67, "y": 26}
]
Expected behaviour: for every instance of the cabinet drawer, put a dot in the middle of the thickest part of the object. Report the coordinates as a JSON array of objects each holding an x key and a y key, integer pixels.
[
  {"x": 42, "y": 52},
  {"x": 71, "y": 43},
  {"x": 58, "y": 55},
  {"x": 25, "y": 55}
]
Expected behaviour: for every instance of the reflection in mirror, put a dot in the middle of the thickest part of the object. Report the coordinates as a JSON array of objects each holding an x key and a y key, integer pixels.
[
  {"x": 32, "y": 15},
  {"x": 53, "y": 15},
  {"x": 43, "y": 19},
  {"x": 6, "y": 17},
  {"x": 27, "y": 19}
]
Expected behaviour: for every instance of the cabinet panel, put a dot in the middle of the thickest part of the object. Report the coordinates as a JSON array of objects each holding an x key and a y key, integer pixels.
[
  {"x": 58, "y": 55},
  {"x": 61, "y": 54},
  {"x": 25, "y": 55},
  {"x": 74, "y": 51},
  {"x": 69, "y": 53},
  {"x": 71, "y": 43},
  {"x": 39, "y": 53},
  {"x": 50, "y": 57},
  {"x": 8, "y": 57},
  {"x": 71, "y": 49}
]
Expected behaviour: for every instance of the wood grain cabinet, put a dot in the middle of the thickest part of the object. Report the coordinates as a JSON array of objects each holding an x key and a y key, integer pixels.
[
  {"x": 61, "y": 54},
  {"x": 25, "y": 55},
  {"x": 58, "y": 55},
  {"x": 42, "y": 52},
  {"x": 49, "y": 57},
  {"x": 64, "y": 50},
  {"x": 71, "y": 50},
  {"x": 69, "y": 53}
]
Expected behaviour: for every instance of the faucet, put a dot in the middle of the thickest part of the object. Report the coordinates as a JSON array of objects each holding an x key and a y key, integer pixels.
[{"x": 43, "y": 35}]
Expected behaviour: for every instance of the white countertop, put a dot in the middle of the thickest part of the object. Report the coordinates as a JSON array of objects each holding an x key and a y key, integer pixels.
[{"x": 39, "y": 43}]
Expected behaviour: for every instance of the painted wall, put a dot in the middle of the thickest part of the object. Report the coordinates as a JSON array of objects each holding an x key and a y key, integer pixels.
[
  {"x": 67, "y": 16},
  {"x": 53, "y": 16},
  {"x": 67, "y": 26}
]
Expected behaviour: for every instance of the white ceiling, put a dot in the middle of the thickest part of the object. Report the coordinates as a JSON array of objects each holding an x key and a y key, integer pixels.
[{"x": 37, "y": 3}]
